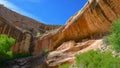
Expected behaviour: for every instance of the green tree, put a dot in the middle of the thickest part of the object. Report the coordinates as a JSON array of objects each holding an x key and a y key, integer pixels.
[
  {"x": 5, "y": 44},
  {"x": 114, "y": 37},
  {"x": 5, "y": 53}
]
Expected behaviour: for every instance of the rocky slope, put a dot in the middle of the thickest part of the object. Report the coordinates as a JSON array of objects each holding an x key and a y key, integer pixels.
[{"x": 67, "y": 51}]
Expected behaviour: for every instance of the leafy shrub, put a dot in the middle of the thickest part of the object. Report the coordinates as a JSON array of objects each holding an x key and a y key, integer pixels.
[
  {"x": 38, "y": 34},
  {"x": 5, "y": 44},
  {"x": 94, "y": 59},
  {"x": 45, "y": 51},
  {"x": 5, "y": 53},
  {"x": 64, "y": 66},
  {"x": 114, "y": 37}
]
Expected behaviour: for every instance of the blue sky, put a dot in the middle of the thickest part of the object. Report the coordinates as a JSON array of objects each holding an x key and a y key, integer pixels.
[{"x": 46, "y": 11}]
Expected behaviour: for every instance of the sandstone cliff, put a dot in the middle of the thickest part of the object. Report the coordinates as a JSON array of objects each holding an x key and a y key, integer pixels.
[
  {"x": 93, "y": 21},
  {"x": 82, "y": 32},
  {"x": 19, "y": 27},
  {"x": 24, "y": 22}
]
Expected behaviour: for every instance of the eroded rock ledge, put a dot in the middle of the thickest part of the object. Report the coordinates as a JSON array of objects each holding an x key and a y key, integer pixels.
[{"x": 93, "y": 21}]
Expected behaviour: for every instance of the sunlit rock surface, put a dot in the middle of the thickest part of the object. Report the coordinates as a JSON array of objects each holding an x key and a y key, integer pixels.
[{"x": 93, "y": 21}]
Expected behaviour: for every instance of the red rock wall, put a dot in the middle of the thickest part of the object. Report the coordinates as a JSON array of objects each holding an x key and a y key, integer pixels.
[
  {"x": 24, "y": 22},
  {"x": 22, "y": 40},
  {"x": 94, "y": 19},
  {"x": 21, "y": 28}
]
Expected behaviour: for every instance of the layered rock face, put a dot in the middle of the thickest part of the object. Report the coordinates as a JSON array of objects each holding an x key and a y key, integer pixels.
[
  {"x": 22, "y": 39},
  {"x": 65, "y": 54},
  {"x": 19, "y": 27},
  {"x": 24, "y": 22},
  {"x": 93, "y": 21},
  {"x": 84, "y": 31}
]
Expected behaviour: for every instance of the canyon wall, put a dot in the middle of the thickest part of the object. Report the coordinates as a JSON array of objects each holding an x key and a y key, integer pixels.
[
  {"x": 93, "y": 21},
  {"x": 23, "y": 22},
  {"x": 22, "y": 39},
  {"x": 23, "y": 29}
]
